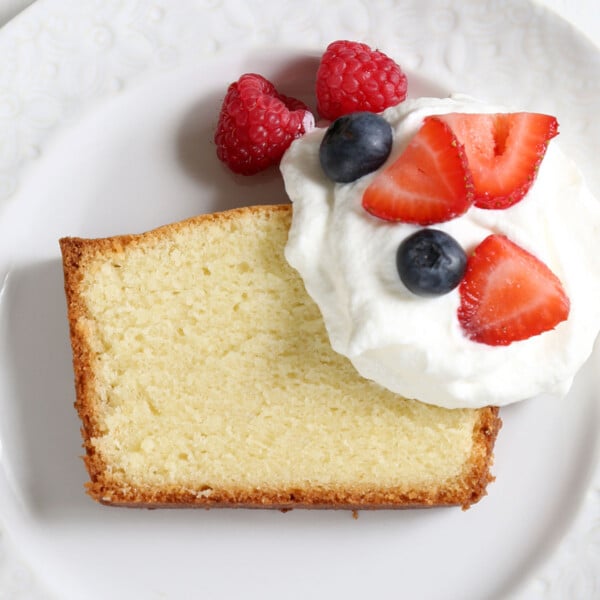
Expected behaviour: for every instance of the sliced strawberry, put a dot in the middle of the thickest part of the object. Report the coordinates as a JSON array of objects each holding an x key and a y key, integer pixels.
[
  {"x": 504, "y": 152},
  {"x": 507, "y": 294},
  {"x": 428, "y": 183}
]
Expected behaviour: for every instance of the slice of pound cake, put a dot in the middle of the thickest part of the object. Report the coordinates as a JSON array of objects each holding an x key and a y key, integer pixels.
[{"x": 204, "y": 377}]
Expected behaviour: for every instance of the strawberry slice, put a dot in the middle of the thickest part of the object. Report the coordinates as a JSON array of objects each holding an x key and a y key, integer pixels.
[
  {"x": 504, "y": 152},
  {"x": 428, "y": 183},
  {"x": 507, "y": 294}
]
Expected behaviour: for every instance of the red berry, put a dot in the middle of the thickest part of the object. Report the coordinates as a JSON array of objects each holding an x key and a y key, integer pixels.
[
  {"x": 507, "y": 294},
  {"x": 428, "y": 183},
  {"x": 352, "y": 77},
  {"x": 257, "y": 124},
  {"x": 504, "y": 152}
]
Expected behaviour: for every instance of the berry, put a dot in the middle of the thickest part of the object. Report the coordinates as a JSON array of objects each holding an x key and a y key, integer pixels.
[
  {"x": 351, "y": 77},
  {"x": 428, "y": 183},
  {"x": 257, "y": 124},
  {"x": 507, "y": 294},
  {"x": 504, "y": 152},
  {"x": 430, "y": 262},
  {"x": 354, "y": 145}
]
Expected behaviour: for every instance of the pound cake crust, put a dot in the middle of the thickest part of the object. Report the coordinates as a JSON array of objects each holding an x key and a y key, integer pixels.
[{"x": 204, "y": 378}]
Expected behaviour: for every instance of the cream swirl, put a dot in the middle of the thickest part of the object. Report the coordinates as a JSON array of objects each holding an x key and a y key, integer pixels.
[{"x": 415, "y": 346}]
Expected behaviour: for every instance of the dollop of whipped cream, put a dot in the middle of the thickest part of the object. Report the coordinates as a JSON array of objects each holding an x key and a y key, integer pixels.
[{"x": 414, "y": 346}]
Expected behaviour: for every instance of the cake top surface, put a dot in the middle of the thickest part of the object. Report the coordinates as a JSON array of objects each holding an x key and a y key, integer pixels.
[{"x": 204, "y": 364}]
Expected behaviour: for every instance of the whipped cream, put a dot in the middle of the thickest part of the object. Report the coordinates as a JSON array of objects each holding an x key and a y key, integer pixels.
[{"x": 412, "y": 345}]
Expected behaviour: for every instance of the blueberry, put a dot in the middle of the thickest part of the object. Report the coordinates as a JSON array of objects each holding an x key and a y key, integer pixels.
[
  {"x": 430, "y": 262},
  {"x": 354, "y": 145}
]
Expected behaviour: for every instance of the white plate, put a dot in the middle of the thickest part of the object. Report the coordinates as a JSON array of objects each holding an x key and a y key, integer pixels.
[{"x": 106, "y": 119}]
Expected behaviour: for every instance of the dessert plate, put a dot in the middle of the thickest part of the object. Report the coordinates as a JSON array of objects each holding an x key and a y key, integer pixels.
[{"x": 106, "y": 118}]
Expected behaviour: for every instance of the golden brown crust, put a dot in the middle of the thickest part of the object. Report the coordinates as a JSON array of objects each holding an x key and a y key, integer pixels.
[
  {"x": 77, "y": 254},
  {"x": 348, "y": 499},
  {"x": 479, "y": 475}
]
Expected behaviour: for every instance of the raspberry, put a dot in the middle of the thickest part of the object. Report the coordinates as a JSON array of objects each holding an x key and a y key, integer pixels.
[
  {"x": 352, "y": 77},
  {"x": 257, "y": 124}
]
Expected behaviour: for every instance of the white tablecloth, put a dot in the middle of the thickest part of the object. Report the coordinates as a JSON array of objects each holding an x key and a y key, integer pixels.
[{"x": 583, "y": 14}]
